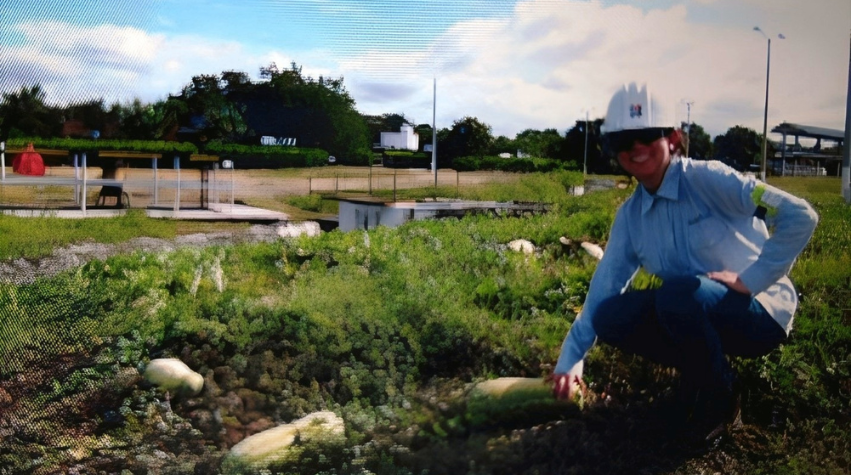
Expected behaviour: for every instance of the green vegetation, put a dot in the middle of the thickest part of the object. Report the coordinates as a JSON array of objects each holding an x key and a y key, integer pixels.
[
  {"x": 268, "y": 156},
  {"x": 526, "y": 165},
  {"x": 387, "y": 328},
  {"x": 406, "y": 159},
  {"x": 37, "y": 237},
  {"x": 315, "y": 203},
  {"x": 153, "y": 146}
]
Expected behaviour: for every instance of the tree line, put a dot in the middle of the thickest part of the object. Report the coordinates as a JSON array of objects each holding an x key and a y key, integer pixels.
[{"x": 230, "y": 108}]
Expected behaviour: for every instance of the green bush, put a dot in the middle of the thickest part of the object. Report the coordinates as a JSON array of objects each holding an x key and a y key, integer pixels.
[
  {"x": 523, "y": 165},
  {"x": 85, "y": 145},
  {"x": 268, "y": 156},
  {"x": 387, "y": 327}
]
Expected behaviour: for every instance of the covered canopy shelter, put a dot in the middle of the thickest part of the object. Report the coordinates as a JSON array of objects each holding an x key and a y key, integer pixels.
[
  {"x": 815, "y": 158},
  {"x": 112, "y": 177}
]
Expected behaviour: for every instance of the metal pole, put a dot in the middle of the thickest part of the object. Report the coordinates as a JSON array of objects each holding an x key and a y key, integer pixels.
[
  {"x": 177, "y": 192},
  {"x": 765, "y": 115},
  {"x": 76, "y": 180},
  {"x": 846, "y": 147},
  {"x": 85, "y": 177},
  {"x": 434, "y": 134},
  {"x": 688, "y": 126},
  {"x": 216, "y": 183},
  {"x": 585, "y": 154},
  {"x": 156, "y": 182}
]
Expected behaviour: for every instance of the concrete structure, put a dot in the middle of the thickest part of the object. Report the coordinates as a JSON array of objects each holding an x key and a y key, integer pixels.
[
  {"x": 795, "y": 159},
  {"x": 358, "y": 214},
  {"x": 405, "y": 139},
  {"x": 112, "y": 179}
]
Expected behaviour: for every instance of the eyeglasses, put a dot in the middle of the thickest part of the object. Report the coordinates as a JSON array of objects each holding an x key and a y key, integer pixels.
[{"x": 622, "y": 141}]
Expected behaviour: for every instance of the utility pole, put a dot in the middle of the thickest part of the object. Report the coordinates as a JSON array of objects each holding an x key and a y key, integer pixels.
[
  {"x": 434, "y": 134},
  {"x": 765, "y": 115},
  {"x": 688, "y": 125},
  {"x": 585, "y": 155},
  {"x": 846, "y": 147}
]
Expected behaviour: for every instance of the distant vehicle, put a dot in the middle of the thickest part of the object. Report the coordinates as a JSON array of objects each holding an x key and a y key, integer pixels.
[{"x": 332, "y": 159}]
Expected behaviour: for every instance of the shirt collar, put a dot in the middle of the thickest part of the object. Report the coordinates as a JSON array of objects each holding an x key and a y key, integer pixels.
[{"x": 670, "y": 188}]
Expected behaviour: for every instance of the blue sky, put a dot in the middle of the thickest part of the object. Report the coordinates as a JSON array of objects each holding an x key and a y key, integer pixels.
[{"x": 512, "y": 64}]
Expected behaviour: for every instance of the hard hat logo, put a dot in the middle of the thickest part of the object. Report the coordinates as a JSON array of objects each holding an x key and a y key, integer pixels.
[
  {"x": 634, "y": 107},
  {"x": 634, "y": 110}
]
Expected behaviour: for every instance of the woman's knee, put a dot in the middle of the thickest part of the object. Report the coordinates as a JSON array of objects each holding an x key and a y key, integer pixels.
[{"x": 619, "y": 316}]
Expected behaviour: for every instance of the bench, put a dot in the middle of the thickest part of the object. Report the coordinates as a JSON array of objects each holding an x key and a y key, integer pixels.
[{"x": 122, "y": 199}]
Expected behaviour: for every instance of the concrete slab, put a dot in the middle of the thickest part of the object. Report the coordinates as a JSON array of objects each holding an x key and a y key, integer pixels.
[{"x": 221, "y": 212}]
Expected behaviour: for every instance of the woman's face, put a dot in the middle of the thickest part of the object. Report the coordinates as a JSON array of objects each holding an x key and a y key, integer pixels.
[{"x": 647, "y": 162}]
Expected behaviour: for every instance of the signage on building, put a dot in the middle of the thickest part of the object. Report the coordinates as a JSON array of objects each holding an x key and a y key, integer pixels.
[{"x": 269, "y": 140}]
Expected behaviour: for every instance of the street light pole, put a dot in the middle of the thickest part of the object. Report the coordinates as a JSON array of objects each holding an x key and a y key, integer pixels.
[
  {"x": 765, "y": 115},
  {"x": 585, "y": 155},
  {"x": 688, "y": 125},
  {"x": 846, "y": 148}
]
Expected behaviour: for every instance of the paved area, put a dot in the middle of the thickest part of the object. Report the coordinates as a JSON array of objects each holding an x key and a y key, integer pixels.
[{"x": 218, "y": 212}]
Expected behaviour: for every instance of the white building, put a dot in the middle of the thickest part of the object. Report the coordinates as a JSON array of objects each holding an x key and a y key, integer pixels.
[{"x": 405, "y": 139}]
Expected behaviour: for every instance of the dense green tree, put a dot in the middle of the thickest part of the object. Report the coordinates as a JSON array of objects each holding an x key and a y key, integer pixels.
[
  {"x": 211, "y": 111},
  {"x": 94, "y": 115},
  {"x": 540, "y": 143},
  {"x": 426, "y": 133},
  {"x": 140, "y": 121},
  {"x": 233, "y": 81},
  {"x": 467, "y": 137},
  {"x": 740, "y": 147},
  {"x": 503, "y": 144},
  {"x": 390, "y": 122},
  {"x": 699, "y": 142},
  {"x": 26, "y": 114},
  {"x": 574, "y": 148},
  {"x": 326, "y": 104}
]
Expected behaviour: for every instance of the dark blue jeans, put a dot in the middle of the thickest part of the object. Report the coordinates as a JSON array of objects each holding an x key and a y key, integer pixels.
[{"x": 689, "y": 323}]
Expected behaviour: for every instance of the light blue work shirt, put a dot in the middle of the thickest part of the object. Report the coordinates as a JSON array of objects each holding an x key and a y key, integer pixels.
[{"x": 700, "y": 220}]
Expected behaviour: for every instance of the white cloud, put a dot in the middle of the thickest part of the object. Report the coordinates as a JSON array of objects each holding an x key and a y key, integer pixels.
[
  {"x": 541, "y": 67},
  {"x": 74, "y": 63},
  {"x": 553, "y": 60}
]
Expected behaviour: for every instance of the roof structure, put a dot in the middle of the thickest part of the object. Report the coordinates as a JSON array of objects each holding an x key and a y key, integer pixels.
[{"x": 809, "y": 131}]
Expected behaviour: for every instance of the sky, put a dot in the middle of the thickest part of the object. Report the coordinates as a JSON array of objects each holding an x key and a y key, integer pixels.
[{"x": 512, "y": 64}]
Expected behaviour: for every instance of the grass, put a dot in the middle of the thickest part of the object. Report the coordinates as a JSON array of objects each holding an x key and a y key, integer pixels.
[{"x": 387, "y": 328}]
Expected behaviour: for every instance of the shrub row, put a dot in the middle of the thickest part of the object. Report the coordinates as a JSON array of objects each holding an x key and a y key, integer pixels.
[
  {"x": 406, "y": 159},
  {"x": 243, "y": 156},
  {"x": 86, "y": 145},
  {"x": 525, "y": 165},
  {"x": 268, "y": 156}
]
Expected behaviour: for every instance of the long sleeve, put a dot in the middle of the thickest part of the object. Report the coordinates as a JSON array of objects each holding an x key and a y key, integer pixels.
[
  {"x": 613, "y": 273},
  {"x": 793, "y": 221}
]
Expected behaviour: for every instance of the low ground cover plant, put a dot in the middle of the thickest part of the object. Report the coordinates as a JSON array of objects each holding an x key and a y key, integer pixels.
[{"x": 390, "y": 329}]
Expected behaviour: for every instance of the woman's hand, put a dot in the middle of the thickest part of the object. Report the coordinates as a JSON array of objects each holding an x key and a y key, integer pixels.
[
  {"x": 731, "y": 280},
  {"x": 566, "y": 385}
]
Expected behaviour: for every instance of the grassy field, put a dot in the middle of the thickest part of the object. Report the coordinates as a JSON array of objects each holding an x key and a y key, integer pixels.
[
  {"x": 389, "y": 328},
  {"x": 37, "y": 237}
]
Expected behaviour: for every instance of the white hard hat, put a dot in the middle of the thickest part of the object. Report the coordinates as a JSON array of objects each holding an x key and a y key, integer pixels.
[{"x": 632, "y": 108}]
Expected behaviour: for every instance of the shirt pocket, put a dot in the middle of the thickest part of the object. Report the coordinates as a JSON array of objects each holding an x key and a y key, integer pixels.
[{"x": 708, "y": 242}]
